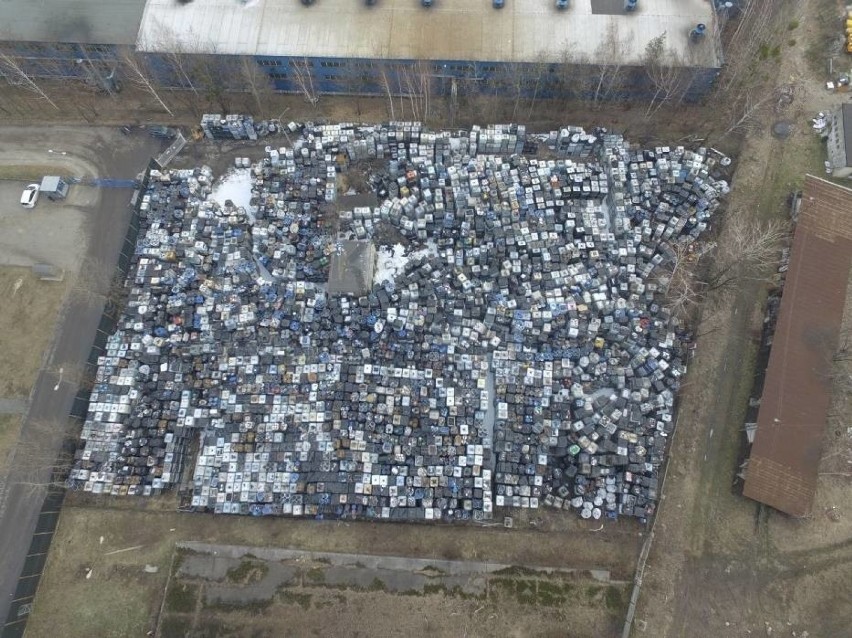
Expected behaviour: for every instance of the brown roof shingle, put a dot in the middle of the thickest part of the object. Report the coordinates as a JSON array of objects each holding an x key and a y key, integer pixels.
[{"x": 784, "y": 461}]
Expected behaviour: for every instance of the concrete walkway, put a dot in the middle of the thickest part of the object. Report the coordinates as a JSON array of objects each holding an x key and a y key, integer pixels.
[
  {"x": 13, "y": 406},
  {"x": 371, "y": 561}
]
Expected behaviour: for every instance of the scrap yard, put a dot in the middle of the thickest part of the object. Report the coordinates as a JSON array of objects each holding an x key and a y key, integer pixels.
[
  {"x": 517, "y": 352},
  {"x": 425, "y": 318}
]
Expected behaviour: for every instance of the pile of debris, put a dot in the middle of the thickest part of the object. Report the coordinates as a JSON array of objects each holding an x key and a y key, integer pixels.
[{"x": 510, "y": 349}]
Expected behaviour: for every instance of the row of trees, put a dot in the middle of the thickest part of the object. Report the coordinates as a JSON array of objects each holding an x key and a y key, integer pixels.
[
  {"x": 180, "y": 78},
  {"x": 172, "y": 80},
  {"x": 666, "y": 77}
]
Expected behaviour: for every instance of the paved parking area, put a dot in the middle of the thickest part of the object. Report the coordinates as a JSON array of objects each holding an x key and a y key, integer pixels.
[{"x": 51, "y": 233}]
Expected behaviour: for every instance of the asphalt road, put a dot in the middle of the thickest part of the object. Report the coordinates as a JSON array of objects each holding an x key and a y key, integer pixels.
[{"x": 107, "y": 153}]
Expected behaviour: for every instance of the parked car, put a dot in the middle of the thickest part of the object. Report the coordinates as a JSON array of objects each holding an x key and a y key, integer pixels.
[
  {"x": 162, "y": 132},
  {"x": 30, "y": 196}
]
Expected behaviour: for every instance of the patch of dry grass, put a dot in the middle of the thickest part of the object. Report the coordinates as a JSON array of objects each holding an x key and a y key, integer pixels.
[
  {"x": 10, "y": 428},
  {"x": 27, "y": 324},
  {"x": 119, "y": 598},
  {"x": 28, "y": 173}
]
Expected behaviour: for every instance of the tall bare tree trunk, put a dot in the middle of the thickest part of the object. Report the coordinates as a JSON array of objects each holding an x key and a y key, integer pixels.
[
  {"x": 386, "y": 86},
  {"x": 302, "y": 70},
  {"x": 13, "y": 71},
  {"x": 138, "y": 74}
]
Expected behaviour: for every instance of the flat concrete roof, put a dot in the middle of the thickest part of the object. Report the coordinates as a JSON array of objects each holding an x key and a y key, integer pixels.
[
  {"x": 79, "y": 21},
  {"x": 784, "y": 460},
  {"x": 523, "y": 31}
]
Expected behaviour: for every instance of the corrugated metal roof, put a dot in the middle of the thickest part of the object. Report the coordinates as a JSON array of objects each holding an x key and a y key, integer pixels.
[
  {"x": 847, "y": 132},
  {"x": 784, "y": 460},
  {"x": 523, "y": 31},
  {"x": 77, "y": 21}
]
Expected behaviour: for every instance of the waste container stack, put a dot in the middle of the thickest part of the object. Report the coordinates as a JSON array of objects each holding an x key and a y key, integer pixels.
[
  {"x": 232, "y": 127},
  {"x": 512, "y": 351}
]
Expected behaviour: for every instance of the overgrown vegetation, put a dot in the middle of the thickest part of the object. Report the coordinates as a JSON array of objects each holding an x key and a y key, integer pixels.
[
  {"x": 615, "y": 598},
  {"x": 550, "y": 593},
  {"x": 827, "y": 39},
  {"x": 315, "y": 575},
  {"x": 291, "y": 597},
  {"x": 767, "y": 51},
  {"x": 175, "y": 626},
  {"x": 252, "y": 607},
  {"x": 181, "y": 598},
  {"x": 247, "y": 571},
  {"x": 515, "y": 570}
]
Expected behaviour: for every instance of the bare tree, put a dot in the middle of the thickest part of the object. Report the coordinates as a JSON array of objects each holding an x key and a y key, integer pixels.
[
  {"x": 138, "y": 73},
  {"x": 101, "y": 77},
  {"x": 667, "y": 73},
  {"x": 747, "y": 250},
  {"x": 193, "y": 65},
  {"x": 746, "y": 111},
  {"x": 753, "y": 30},
  {"x": 490, "y": 100},
  {"x": 610, "y": 55},
  {"x": 537, "y": 73},
  {"x": 695, "y": 271},
  {"x": 423, "y": 81},
  {"x": 509, "y": 82},
  {"x": 217, "y": 77},
  {"x": 409, "y": 88},
  {"x": 576, "y": 75},
  {"x": 178, "y": 55},
  {"x": 416, "y": 85},
  {"x": 385, "y": 81},
  {"x": 257, "y": 82},
  {"x": 357, "y": 81},
  {"x": 15, "y": 75},
  {"x": 43, "y": 456},
  {"x": 680, "y": 285},
  {"x": 399, "y": 89},
  {"x": 303, "y": 76},
  {"x": 99, "y": 282}
]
